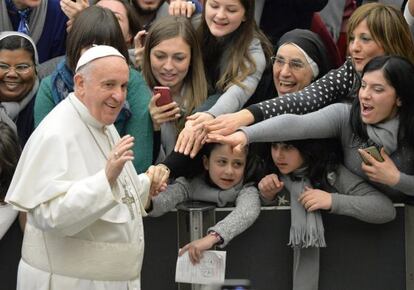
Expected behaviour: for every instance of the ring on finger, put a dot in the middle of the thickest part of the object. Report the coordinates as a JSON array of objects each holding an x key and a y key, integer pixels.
[{"x": 116, "y": 155}]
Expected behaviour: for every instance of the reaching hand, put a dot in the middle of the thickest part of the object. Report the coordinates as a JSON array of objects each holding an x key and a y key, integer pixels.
[
  {"x": 71, "y": 8},
  {"x": 120, "y": 154},
  {"x": 162, "y": 114},
  {"x": 314, "y": 199},
  {"x": 270, "y": 186},
  {"x": 139, "y": 43},
  {"x": 159, "y": 175},
  {"x": 181, "y": 8},
  {"x": 384, "y": 172},
  {"x": 196, "y": 248},
  {"x": 227, "y": 124},
  {"x": 236, "y": 140},
  {"x": 190, "y": 140}
]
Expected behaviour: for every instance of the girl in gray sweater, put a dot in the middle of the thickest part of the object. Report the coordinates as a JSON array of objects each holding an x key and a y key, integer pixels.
[
  {"x": 228, "y": 179},
  {"x": 311, "y": 174}
]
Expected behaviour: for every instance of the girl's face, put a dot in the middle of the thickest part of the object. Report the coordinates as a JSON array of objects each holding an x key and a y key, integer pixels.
[
  {"x": 362, "y": 46},
  {"x": 225, "y": 168},
  {"x": 170, "y": 61},
  {"x": 17, "y": 74},
  {"x": 291, "y": 71},
  {"x": 224, "y": 16},
  {"x": 378, "y": 99},
  {"x": 121, "y": 14},
  {"x": 287, "y": 158}
]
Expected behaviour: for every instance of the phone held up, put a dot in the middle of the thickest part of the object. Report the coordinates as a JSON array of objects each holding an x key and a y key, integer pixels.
[
  {"x": 374, "y": 152},
  {"x": 165, "y": 95}
]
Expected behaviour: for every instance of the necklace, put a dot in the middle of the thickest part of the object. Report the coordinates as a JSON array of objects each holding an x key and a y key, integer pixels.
[{"x": 128, "y": 199}]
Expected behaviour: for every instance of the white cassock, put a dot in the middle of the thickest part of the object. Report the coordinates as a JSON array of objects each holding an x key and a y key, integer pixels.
[{"x": 79, "y": 233}]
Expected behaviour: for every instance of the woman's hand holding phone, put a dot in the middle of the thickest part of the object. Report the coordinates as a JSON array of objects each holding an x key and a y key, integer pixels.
[
  {"x": 384, "y": 172},
  {"x": 163, "y": 113}
]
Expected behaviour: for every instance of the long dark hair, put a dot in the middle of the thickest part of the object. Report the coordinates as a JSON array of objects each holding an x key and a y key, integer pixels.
[
  {"x": 320, "y": 156},
  {"x": 240, "y": 63},
  {"x": 399, "y": 73},
  {"x": 9, "y": 156}
]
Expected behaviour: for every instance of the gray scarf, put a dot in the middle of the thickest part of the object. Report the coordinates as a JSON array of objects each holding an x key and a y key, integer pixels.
[
  {"x": 306, "y": 234},
  {"x": 385, "y": 134},
  {"x": 36, "y": 21},
  {"x": 306, "y": 228}
]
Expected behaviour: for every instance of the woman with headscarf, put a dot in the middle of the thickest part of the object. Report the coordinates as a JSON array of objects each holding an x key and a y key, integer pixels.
[
  {"x": 305, "y": 55},
  {"x": 18, "y": 81}
]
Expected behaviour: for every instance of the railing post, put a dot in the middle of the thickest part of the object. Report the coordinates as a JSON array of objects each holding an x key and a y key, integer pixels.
[
  {"x": 409, "y": 246},
  {"x": 193, "y": 220}
]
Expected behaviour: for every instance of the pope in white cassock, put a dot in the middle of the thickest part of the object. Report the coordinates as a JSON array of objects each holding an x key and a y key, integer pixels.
[{"x": 83, "y": 198}]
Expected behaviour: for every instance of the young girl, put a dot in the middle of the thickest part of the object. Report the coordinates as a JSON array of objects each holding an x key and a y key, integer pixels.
[
  {"x": 310, "y": 171},
  {"x": 235, "y": 54},
  {"x": 227, "y": 179},
  {"x": 380, "y": 116}
]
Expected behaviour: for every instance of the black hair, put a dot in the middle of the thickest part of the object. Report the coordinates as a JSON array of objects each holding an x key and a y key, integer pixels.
[
  {"x": 320, "y": 156},
  {"x": 9, "y": 156},
  {"x": 399, "y": 73}
]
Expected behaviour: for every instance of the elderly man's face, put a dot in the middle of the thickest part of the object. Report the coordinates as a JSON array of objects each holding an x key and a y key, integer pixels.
[{"x": 102, "y": 87}]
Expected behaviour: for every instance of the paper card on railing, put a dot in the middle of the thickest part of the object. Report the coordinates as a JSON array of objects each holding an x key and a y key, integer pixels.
[{"x": 211, "y": 269}]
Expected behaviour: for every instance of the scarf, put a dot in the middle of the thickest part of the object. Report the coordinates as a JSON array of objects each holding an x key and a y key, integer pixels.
[
  {"x": 62, "y": 85},
  {"x": 62, "y": 82},
  {"x": 306, "y": 228},
  {"x": 36, "y": 19},
  {"x": 306, "y": 234},
  {"x": 385, "y": 134}
]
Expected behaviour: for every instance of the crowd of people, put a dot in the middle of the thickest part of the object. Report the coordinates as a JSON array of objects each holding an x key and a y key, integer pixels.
[{"x": 116, "y": 110}]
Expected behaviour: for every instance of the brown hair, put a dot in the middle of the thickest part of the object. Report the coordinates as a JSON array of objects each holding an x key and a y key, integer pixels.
[
  {"x": 387, "y": 27},
  {"x": 195, "y": 81},
  {"x": 240, "y": 63},
  {"x": 94, "y": 25}
]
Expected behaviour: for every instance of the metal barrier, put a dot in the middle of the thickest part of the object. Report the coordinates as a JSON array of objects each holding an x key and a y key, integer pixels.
[
  {"x": 358, "y": 256},
  {"x": 193, "y": 220}
]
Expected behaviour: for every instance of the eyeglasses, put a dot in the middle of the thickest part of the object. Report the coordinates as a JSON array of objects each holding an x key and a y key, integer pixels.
[
  {"x": 20, "y": 68},
  {"x": 293, "y": 64}
]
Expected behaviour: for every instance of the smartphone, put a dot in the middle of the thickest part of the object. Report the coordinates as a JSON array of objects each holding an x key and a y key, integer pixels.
[
  {"x": 165, "y": 96},
  {"x": 374, "y": 152}
]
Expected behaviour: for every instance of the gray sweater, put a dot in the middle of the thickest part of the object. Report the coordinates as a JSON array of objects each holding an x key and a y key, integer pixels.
[
  {"x": 234, "y": 98},
  {"x": 246, "y": 199},
  {"x": 356, "y": 198},
  {"x": 333, "y": 121}
]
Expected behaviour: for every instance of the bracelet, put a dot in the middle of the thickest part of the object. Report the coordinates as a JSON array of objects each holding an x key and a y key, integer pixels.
[{"x": 217, "y": 236}]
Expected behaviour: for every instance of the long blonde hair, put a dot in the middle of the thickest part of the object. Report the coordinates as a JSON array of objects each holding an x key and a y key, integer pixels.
[
  {"x": 387, "y": 27},
  {"x": 195, "y": 83}
]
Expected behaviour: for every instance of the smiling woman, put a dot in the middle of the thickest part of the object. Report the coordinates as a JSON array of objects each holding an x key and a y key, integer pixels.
[
  {"x": 18, "y": 81},
  {"x": 172, "y": 58},
  {"x": 374, "y": 29}
]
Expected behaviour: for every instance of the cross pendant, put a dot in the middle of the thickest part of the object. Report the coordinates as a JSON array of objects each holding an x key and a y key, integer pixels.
[{"x": 129, "y": 200}]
